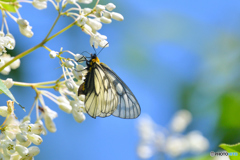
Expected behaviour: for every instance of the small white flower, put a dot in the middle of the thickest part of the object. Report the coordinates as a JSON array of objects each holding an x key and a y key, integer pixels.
[
  {"x": 9, "y": 41},
  {"x": 81, "y": 20},
  {"x": 53, "y": 54},
  {"x": 85, "y": 1},
  {"x": 39, "y": 4},
  {"x": 77, "y": 110},
  {"x": 117, "y": 16},
  {"x": 98, "y": 40},
  {"x": 110, "y": 6},
  {"x": 34, "y": 138},
  {"x": 24, "y": 27}
]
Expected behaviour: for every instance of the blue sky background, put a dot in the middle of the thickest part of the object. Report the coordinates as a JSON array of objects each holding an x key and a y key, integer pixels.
[{"x": 160, "y": 49}]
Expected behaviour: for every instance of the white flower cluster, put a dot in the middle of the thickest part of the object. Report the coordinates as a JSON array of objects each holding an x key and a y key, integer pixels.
[
  {"x": 157, "y": 139},
  {"x": 99, "y": 14},
  {"x": 6, "y": 58},
  {"x": 17, "y": 136},
  {"x": 68, "y": 101}
]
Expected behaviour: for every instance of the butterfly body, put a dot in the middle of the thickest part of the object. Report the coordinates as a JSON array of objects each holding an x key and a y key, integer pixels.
[{"x": 106, "y": 94}]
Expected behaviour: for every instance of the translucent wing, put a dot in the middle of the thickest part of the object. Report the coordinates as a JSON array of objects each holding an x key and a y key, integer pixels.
[
  {"x": 128, "y": 106},
  {"x": 100, "y": 94}
]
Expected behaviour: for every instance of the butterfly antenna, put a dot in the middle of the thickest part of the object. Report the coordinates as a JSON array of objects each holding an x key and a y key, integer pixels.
[
  {"x": 94, "y": 48},
  {"x": 102, "y": 49}
]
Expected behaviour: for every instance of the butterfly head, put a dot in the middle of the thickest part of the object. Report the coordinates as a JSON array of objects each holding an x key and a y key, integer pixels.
[{"x": 94, "y": 59}]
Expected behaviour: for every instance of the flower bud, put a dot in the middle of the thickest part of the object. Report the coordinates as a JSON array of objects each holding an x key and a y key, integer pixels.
[
  {"x": 110, "y": 6},
  {"x": 50, "y": 125},
  {"x": 39, "y": 4},
  {"x": 65, "y": 107},
  {"x": 107, "y": 14},
  {"x": 100, "y": 8},
  {"x": 15, "y": 64},
  {"x": 94, "y": 24},
  {"x": 85, "y": 1},
  {"x": 52, "y": 54},
  {"x": 78, "y": 116},
  {"x": 34, "y": 138},
  {"x": 78, "y": 75},
  {"x": 69, "y": 64},
  {"x": 21, "y": 138},
  {"x": 69, "y": 85},
  {"x": 23, "y": 151},
  {"x": 6, "y": 70},
  {"x": 3, "y": 111},
  {"x": 117, "y": 16},
  {"x": 33, "y": 151},
  {"x": 105, "y": 20},
  {"x": 86, "y": 28},
  {"x": 87, "y": 10}
]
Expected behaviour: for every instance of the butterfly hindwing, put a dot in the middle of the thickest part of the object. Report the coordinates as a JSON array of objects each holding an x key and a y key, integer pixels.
[{"x": 128, "y": 106}]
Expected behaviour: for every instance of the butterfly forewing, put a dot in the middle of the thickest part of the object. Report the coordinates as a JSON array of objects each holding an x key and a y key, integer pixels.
[{"x": 100, "y": 95}]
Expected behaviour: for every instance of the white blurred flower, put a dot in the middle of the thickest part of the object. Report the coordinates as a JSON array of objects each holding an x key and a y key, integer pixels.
[
  {"x": 197, "y": 142},
  {"x": 24, "y": 27},
  {"x": 154, "y": 138},
  {"x": 144, "y": 151},
  {"x": 6, "y": 58},
  {"x": 176, "y": 146},
  {"x": 181, "y": 120},
  {"x": 146, "y": 128}
]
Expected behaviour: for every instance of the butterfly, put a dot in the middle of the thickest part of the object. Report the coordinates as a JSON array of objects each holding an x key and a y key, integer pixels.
[{"x": 105, "y": 93}]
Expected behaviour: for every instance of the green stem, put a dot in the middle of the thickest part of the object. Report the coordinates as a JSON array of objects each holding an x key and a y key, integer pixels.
[
  {"x": 21, "y": 55},
  {"x": 59, "y": 32}
]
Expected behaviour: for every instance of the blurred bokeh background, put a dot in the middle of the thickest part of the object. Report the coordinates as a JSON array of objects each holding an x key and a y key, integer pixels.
[{"x": 173, "y": 55}]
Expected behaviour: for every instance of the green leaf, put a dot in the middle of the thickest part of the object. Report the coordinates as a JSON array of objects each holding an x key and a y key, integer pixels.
[
  {"x": 10, "y": 7},
  {"x": 232, "y": 148},
  {"x": 6, "y": 91}
]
